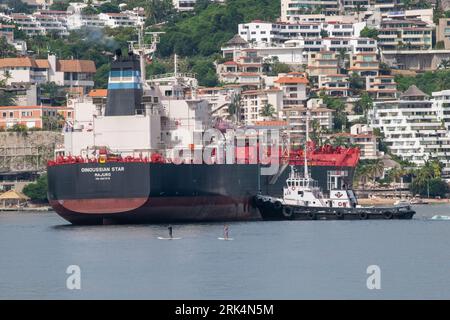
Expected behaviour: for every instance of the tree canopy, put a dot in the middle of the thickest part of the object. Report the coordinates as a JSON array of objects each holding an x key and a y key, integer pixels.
[
  {"x": 428, "y": 82},
  {"x": 37, "y": 191}
]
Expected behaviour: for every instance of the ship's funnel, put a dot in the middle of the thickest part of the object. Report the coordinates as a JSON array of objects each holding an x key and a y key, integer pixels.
[{"x": 124, "y": 86}]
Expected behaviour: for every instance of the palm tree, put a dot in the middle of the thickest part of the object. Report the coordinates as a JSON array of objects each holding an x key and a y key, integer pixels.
[
  {"x": 342, "y": 57},
  {"x": 445, "y": 64},
  {"x": 234, "y": 107},
  {"x": 377, "y": 168},
  {"x": 267, "y": 111},
  {"x": 363, "y": 174},
  {"x": 396, "y": 174},
  {"x": 316, "y": 132}
]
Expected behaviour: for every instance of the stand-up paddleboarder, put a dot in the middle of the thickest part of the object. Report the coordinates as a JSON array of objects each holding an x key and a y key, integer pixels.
[
  {"x": 225, "y": 232},
  {"x": 170, "y": 232}
]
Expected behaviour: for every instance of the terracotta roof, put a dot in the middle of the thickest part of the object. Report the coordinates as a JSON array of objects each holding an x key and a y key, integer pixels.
[
  {"x": 17, "y": 62},
  {"x": 42, "y": 63},
  {"x": 96, "y": 93},
  {"x": 87, "y": 66},
  {"x": 292, "y": 80}
]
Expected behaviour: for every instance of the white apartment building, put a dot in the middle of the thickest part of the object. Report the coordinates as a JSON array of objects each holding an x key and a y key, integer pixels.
[
  {"x": 253, "y": 102},
  {"x": 415, "y": 127},
  {"x": 338, "y": 29},
  {"x": 352, "y": 45},
  {"x": 294, "y": 86},
  {"x": 78, "y": 20},
  {"x": 116, "y": 20},
  {"x": 260, "y": 31},
  {"x": 292, "y": 9},
  {"x": 405, "y": 34}
]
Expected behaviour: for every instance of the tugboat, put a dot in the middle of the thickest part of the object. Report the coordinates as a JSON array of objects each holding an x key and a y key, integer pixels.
[{"x": 303, "y": 199}]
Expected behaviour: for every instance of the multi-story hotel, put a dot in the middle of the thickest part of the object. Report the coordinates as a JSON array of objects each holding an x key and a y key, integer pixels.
[
  {"x": 415, "y": 127},
  {"x": 402, "y": 34},
  {"x": 278, "y": 32}
]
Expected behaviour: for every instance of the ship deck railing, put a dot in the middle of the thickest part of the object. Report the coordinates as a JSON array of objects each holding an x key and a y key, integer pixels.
[{"x": 172, "y": 75}]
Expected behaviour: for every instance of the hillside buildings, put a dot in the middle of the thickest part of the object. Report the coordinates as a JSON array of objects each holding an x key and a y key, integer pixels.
[
  {"x": 416, "y": 127},
  {"x": 67, "y": 73}
]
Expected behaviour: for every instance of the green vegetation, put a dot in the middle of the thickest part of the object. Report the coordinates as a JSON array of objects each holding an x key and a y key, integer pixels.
[
  {"x": 272, "y": 67},
  {"x": 428, "y": 182},
  {"x": 369, "y": 33},
  {"x": 60, "y": 5},
  {"x": 368, "y": 171},
  {"x": 37, "y": 191},
  {"x": 186, "y": 33},
  {"x": 364, "y": 104},
  {"x": 6, "y": 98},
  {"x": 18, "y": 6},
  {"x": 267, "y": 110},
  {"x": 340, "y": 116},
  {"x": 54, "y": 94},
  {"x": 428, "y": 82},
  {"x": 6, "y": 50}
]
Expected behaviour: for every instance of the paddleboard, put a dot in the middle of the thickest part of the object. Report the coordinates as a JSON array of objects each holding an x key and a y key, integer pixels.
[
  {"x": 227, "y": 239},
  {"x": 439, "y": 217},
  {"x": 162, "y": 238}
]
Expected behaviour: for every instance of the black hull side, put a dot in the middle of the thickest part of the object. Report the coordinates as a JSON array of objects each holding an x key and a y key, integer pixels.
[
  {"x": 136, "y": 192},
  {"x": 152, "y": 193}
]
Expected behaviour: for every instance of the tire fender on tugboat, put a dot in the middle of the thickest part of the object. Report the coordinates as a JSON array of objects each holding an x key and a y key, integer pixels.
[
  {"x": 312, "y": 215},
  {"x": 388, "y": 215},
  {"x": 287, "y": 212},
  {"x": 363, "y": 215},
  {"x": 277, "y": 205}
]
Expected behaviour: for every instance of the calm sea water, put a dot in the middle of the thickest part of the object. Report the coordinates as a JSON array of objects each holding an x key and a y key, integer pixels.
[{"x": 267, "y": 260}]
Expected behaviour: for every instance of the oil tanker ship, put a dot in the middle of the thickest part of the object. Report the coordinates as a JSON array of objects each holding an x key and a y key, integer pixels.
[{"x": 133, "y": 159}]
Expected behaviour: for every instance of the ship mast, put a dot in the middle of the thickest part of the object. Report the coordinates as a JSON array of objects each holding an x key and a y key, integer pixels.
[
  {"x": 143, "y": 50},
  {"x": 306, "y": 144}
]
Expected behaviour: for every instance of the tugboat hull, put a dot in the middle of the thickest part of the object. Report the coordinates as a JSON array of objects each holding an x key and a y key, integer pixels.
[{"x": 272, "y": 209}]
